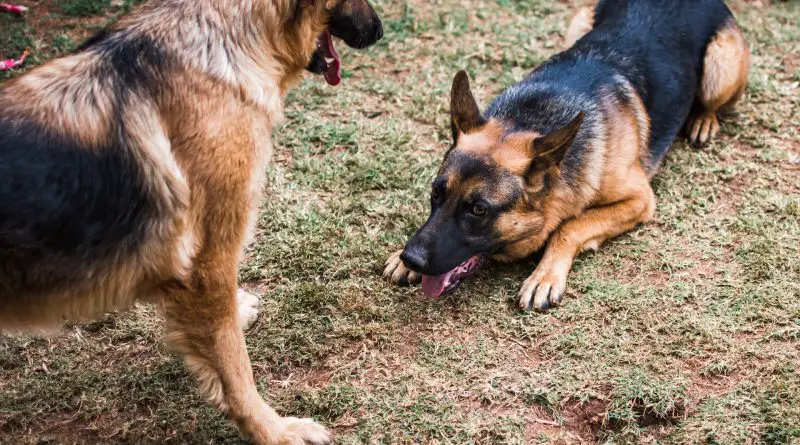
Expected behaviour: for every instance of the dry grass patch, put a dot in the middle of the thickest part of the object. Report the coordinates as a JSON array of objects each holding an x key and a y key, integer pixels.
[{"x": 684, "y": 331}]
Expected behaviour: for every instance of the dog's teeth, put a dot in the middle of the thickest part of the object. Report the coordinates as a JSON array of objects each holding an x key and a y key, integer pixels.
[{"x": 329, "y": 59}]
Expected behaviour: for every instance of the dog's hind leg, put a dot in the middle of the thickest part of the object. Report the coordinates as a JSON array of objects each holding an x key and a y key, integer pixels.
[
  {"x": 581, "y": 23},
  {"x": 725, "y": 68}
]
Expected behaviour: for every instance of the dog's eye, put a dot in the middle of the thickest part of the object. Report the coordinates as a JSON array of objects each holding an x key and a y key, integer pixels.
[{"x": 479, "y": 209}]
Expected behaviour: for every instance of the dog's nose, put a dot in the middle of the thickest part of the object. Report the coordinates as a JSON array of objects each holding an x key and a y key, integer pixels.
[
  {"x": 379, "y": 32},
  {"x": 413, "y": 259}
]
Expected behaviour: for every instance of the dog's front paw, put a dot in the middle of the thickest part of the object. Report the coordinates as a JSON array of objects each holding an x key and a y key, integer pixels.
[
  {"x": 543, "y": 289},
  {"x": 246, "y": 308},
  {"x": 398, "y": 273},
  {"x": 303, "y": 432}
]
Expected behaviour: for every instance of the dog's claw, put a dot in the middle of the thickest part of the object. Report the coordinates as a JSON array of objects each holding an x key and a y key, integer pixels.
[
  {"x": 541, "y": 291},
  {"x": 556, "y": 298},
  {"x": 702, "y": 128}
]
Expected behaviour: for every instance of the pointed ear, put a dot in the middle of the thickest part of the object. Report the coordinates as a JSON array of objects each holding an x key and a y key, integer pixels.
[
  {"x": 464, "y": 113},
  {"x": 550, "y": 149}
]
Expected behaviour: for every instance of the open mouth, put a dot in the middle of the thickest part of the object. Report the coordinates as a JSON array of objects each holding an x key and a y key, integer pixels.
[
  {"x": 436, "y": 286},
  {"x": 330, "y": 64}
]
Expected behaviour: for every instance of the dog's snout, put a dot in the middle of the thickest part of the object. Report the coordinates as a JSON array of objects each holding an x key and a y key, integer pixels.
[
  {"x": 414, "y": 259},
  {"x": 368, "y": 37}
]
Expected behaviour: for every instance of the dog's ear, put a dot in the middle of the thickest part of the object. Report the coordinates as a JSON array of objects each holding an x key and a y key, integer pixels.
[
  {"x": 550, "y": 149},
  {"x": 465, "y": 116}
]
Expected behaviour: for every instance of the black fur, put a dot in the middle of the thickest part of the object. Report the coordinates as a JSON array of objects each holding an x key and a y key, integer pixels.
[
  {"x": 94, "y": 40},
  {"x": 62, "y": 205},
  {"x": 133, "y": 63}
]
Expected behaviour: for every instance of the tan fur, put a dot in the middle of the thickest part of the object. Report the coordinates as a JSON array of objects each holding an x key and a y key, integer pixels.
[
  {"x": 725, "y": 70},
  {"x": 202, "y": 148},
  {"x": 77, "y": 104},
  {"x": 638, "y": 112},
  {"x": 482, "y": 140},
  {"x": 511, "y": 152}
]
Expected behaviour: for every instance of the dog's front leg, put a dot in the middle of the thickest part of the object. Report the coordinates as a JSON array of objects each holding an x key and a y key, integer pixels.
[
  {"x": 204, "y": 325},
  {"x": 546, "y": 286}
]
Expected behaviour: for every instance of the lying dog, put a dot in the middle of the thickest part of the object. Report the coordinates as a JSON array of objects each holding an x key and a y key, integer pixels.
[
  {"x": 565, "y": 157},
  {"x": 132, "y": 170}
]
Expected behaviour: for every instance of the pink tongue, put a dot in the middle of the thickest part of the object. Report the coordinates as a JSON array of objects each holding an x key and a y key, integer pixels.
[
  {"x": 333, "y": 74},
  {"x": 434, "y": 286}
]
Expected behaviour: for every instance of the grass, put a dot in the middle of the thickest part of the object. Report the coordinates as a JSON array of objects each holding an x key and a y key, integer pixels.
[{"x": 684, "y": 331}]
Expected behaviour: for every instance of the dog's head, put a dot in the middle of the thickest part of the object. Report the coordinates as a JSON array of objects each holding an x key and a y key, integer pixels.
[
  {"x": 354, "y": 21},
  {"x": 494, "y": 195}
]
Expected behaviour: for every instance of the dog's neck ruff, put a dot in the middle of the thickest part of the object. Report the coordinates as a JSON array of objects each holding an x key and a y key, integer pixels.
[{"x": 235, "y": 42}]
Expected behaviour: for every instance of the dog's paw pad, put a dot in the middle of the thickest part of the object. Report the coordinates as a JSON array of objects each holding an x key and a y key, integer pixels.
[
  {"x": 303, "y": 432},
  {"x": 247, "y": 308}
]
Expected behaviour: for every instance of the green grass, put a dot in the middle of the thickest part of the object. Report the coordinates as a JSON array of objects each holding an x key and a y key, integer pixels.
[
  {"x": 55, "y": 28},
  {"x": 685, "y": 331}
]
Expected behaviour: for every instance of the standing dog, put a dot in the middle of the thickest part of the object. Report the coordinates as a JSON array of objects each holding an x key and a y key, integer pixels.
[
  {"x": 565, "y": 157},
  {"x": 132, "y": 170}
]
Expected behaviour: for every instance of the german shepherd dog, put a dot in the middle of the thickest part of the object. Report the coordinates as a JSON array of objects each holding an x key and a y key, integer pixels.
[
  {"x": 132, "y": 171},
  {"x": 564, "y": 158}
]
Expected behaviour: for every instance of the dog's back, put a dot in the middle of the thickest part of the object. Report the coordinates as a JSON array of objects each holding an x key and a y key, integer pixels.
[{"x": 657, "y": 46}]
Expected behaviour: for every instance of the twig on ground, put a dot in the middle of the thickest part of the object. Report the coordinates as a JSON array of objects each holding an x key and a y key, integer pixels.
[
  {"x": 6, "y": 65},
  {"x": 12, "y": 9},
  {"x": 545, "y": 422}
]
